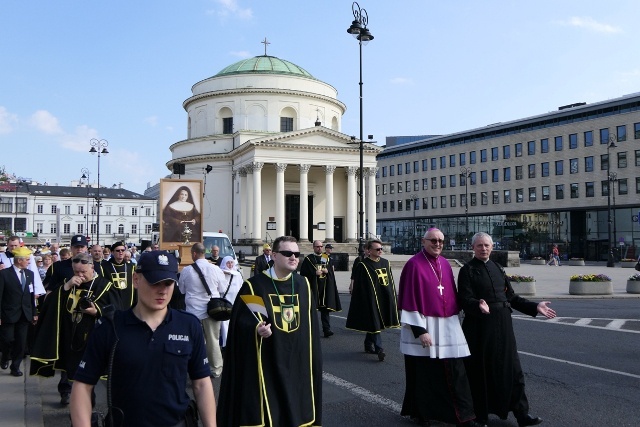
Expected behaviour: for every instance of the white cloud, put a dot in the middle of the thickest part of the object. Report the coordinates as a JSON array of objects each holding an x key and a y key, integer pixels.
[
  {"x": 151, "y": 120},
  {"x": 7, "y": 120},
  {"x": 240, "y": 53},
  {"x": 400, "y": 81},
  {"x": 46, "y": 122},
  {"x": 590, "y": 24},
  {"x": 231, "y": 8},
  {"x": 79, "y": 141}
]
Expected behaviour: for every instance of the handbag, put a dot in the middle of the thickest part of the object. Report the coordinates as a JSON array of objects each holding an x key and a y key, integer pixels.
[
  {"x": 218, "y": 308},
  {"x": 638, "y": 266}
]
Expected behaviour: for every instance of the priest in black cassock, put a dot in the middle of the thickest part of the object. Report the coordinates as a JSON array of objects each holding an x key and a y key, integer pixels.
[
  {"x": 119, "y": 272},
  {"x": 273, "y": 362},
  {"x": 374, "y": 305},
  {"x": 431, "y": 339},
  {"x": 494, "y": 371},
  {"x": 319, "y": 270}
]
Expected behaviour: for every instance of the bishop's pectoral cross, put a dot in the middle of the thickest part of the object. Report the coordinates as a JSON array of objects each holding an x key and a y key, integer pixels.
[{"x": 441, "y": 288}]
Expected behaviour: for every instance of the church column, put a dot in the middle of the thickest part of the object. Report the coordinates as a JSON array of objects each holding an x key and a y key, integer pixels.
[
  {"x": 249, "y": 203},
  {"x": 328, "y": 211},
  {"x": 280, "y": 228},
  {"x": 352, "y": 204},
  {"x": 371, "y": 202},
  {"x": 304, "y": 202},
  {"x": 257, "y": 201},
  {"x": 242, "y": 203}
]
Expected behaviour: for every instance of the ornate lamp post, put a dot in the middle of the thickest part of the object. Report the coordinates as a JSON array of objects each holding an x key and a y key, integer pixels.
[
  {"x": 416, "y": 238},
  {"x": 465, "y": 173},
  {"x": 613, "y": 178},
  {"x": 85, "y": 175},
  {"x": 610, "y": 145},
  {"x": 98, "y": 146},
  {"x": 359, "y": 30},
  {"x": 139, "y": 230}
]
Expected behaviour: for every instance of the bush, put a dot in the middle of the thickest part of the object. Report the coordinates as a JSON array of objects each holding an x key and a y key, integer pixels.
[
  {"x": 519, "y": 278},
  {"x": 634, "y": 277},
  {"x": 590, "y": 278}
]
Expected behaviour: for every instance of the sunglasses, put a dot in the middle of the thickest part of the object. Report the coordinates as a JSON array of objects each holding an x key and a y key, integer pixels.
[
  {"x": 377, "y": 249},
  {"x": 436, "y": 241},
  {"x": 119, "y": 250},
  {"x": 81, "y": 261},
  {"x": 288, "y": 254}
]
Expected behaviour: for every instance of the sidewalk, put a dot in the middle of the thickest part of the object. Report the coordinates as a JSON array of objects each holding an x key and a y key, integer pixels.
[{"x": 21, "y": 403}]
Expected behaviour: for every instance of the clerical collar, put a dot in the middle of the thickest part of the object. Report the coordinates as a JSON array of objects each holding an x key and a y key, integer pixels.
[
  {"x": 373, "y": 259},
  {"x": 482, "y": 260}
]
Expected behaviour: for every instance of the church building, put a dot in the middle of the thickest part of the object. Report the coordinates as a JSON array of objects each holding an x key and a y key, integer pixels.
[{"x": 265, "y": 136}]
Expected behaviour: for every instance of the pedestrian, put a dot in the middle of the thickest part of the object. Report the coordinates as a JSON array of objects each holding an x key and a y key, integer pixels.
[
  {"x": 273, "y": 372},
  {"x": 431, "y": 339},
  {"x": 233, "y": 279},
  {"x": 374, "y": 305},
  {"x": 494, "y": 371},
  {"x": 154, "y": 349},
  {"x": 119, "y": 272},
  {"x": 263, "y": 261}
]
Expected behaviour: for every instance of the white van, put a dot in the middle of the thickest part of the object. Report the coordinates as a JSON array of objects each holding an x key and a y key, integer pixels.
[{"x": 220, "y": 240}]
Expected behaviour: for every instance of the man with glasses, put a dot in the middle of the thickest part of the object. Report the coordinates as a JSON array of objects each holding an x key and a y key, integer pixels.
[
  {"x": 431, "y": 339},
  {"x": 67, "y": 319},
  {"x": 373, "y": 299},
  {"x": 119, "y": 272},
  {"x": 273, "y": 362},
  {"x": 156, "y": 348},
  {"x": 319, "y": 271}
]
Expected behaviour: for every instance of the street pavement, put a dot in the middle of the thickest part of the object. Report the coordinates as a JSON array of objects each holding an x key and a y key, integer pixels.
[{"x": 21, "y": 401}]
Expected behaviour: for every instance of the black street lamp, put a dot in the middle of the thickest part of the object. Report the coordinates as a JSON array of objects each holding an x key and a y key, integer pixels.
[
  {"x": 359, "y": 30},
  {"x": 613, "y": 178},
  {"x": 139, "y": 230},
  {"x": 98, "y": 146},
  {"x": 416, "y": 238},
  {"x": 610, "y": 145},
  {"x": 465, "y": 173},
  {"x": 85, "y": 175}
]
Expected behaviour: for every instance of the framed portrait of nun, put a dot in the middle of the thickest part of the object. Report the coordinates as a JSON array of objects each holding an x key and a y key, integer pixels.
[{"x": 180, "y": 212}]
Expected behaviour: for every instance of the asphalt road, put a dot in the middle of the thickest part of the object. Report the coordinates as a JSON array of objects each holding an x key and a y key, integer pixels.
[{"x": 581, "y": 370}]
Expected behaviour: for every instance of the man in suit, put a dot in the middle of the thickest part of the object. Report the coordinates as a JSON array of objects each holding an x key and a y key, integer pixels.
[
  {"x": 264, "y": 261},
  {"x": 6, "y": 260},
  {"x": 17, "y": 309}
]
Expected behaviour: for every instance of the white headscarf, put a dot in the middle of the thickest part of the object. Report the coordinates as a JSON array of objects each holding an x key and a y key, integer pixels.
[{"x": 233, "y": 269}]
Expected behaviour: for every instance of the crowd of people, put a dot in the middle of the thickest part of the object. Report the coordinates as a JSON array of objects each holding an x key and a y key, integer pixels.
[{"x": 88, "y": 312}]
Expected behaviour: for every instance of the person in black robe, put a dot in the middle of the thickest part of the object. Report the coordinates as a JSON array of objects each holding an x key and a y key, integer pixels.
[
  {"x": 319, "y": 271},
  {"x": 374, "y": 305},
  {"x": 494, "y": 371},
  {"x": 119, "y": 272},
  {"x": 273, "y": 363}
]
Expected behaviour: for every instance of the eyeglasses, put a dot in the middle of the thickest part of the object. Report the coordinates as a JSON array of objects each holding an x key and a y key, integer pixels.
[
  {"x": 287, "y": 254},
  {"x": 436, "y": 241},
  {"x": 377, "y": 249},
  {"x": 81, "y": 261},
  {"x": 119, "y": 250}
]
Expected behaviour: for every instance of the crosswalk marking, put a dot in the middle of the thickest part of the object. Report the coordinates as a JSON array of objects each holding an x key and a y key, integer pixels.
[{"x": 619, "y": 325}]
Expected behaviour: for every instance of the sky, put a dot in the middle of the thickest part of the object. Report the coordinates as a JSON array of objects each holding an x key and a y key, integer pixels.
[{"x": 119, "y": 70}]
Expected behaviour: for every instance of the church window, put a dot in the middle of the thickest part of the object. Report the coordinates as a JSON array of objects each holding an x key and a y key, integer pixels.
[
  {"x": 227, "y": 125},
  {"x": 286, "y": 124}
]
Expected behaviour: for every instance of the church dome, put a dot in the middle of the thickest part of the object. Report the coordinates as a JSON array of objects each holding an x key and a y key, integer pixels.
[{"x": 264, "y": 64}]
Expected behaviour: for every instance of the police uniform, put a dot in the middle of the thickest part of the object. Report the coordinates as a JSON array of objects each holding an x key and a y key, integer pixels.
[{"x": 150, "y": 367}]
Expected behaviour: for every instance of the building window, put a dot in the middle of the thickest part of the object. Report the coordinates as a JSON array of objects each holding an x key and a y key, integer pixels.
[
  {"x": 425, "y": 203},
  {"x": 67, "y": 210},
  {"x": 559, "y": 191},
  {"x": 484, "y": 198},
  {"x": 6, "y": 206},
  {"x": 604, "y": 162},
  {"x": 377, "y": 207},
  {"x": 519, "y": 195},
  {"x": 589, "y": 189},
  {"x": 121, "y": 211},
  {"x": 443, "y": 202},
  {"x": 392, "y": 206},
  {"x": 120, "y": 228},
  {"x": 452, "y": 201},
  {"x": 507, "y": 196},
  {"x": 400, "y": 206},
  {"x": 463, "y": 159},
  {"x": 416, "y": 166},
  {"x": 637, "y": 155},
  {"x": 495, "y": 175},
  {"x": 636, "y": 130},
  {"x": 443, "y": 182},
  {"x": 588, "y": 138},
  {"x": 384, "y": 206},
  {"x": 483, "y": 155},
  {"x": 443, "y": 162},
  {"x": 452, "y": 180},
  {"x": 286, "y": 124},
  {"x": 452, "y": 161},
  {"x": 559, "y": 167},
  {"x": 399, "y": 169},
  {"x": 40, "y": 209},
  {"x": 573, "y": 141},
  {"x": 399, "y": 187},
  {"x": 518, "y": 172},
  {"x": 494, "y": 154},
  {"x": 434, "y": 203},
  {"x": 495, "y": 197},
  {"x": 392, "y": 188},
  {"x": 434, "y": 163},
  {"x": 54, "y": 209},
  {"x": 532, "y": 170},
  {"x": 519, "y": 149},
  {"x": 473, "y": 200},
  {"x": 622, "y": 160},
  {"x": 425, "y": 165},
  {"x": 80, "y": 210},
  {"x": 604, "y": 188},
  {"x": 384, "y": 189},
  {"x": 472, "y": 157},
  {"x": 622, "y": 187},
  {"x": 94, "y": 209},
  {"x": 506, "y": 174},
  {"x": 532, "y": 194},
  {"x": 558, "y": 143},
  {"x": 134, "y": 211},
  {"x": 604, "y": 136},
  {"x": 472, "y": 178},
  {"x": 544, "y": 145},
  {"x": 506, "y": 151},
  {"x": 574, "y": 191},
  {"x": 53, "y": 229},
  {"x": 434, "y": 183},
  {"x": 39, "y": 227},
  {"x": 531, "y": 148},
  {"x": 392, "y": 170},
  {"x": 378, "y": 190},
  {"x": 66, "y": 228},
  {"x": 227, "y": 125},
  {"x": 425, "y": 183},
  {"x": 621, "y": 133},
  {"x": 416, "y": 185},
  {"x": 407, "y": 168},
  {"x": 384, "y": 171},
  {"x": 93, "y": 228},
  {"x": 407, "y": 186},
  {"x": 107, "y": 228},
  {"x": 544, "y": 169},
  {"x": 573, "y": 166},
  {"x": 588, "y": 164},
  {"x": 546, "y": 192},
  {"x": 80, "y": 228},
  {"x": 483, "y": 177}
]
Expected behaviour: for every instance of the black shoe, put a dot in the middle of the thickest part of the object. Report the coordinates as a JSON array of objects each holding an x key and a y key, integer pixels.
[
  {"x": 529, "y": 421},
  {"x": 381, "y": 354},
  {"x": 64, "y": 398},
  {"x": 328, "y": 333},
  {"x": 4, "y": 364},
  {"x": 369, "y": 349},
  {"x": 16, "y": 373}
]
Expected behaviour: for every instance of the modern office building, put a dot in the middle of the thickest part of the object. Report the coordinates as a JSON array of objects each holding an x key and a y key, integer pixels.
[{"x": 555, "y": 178}]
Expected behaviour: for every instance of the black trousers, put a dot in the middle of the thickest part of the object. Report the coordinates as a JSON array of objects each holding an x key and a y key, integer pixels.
[
  {"x": 324, "y": 318},
  {"x": 13, "y": 341}
]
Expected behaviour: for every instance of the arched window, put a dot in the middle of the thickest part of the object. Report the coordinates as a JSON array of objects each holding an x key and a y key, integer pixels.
[
  {"x": 226, "y": 117},
  {"x": 120, "y": 228},
  {"x": 287, "y": 119}
]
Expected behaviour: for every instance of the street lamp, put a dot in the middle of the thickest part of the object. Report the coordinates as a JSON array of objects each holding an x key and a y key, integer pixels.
[
  {"x": 465, "y": 173},
  {"x": 98, "y": 146},
  {"x": 85, "y": 175},
  {"x": 359, "y": 30},
  {"x": 139, "y": 230},
  {"x": 613, "y": 178},
  {"x": 610, "y": 145},
  {"x": 416, "y": 241}
]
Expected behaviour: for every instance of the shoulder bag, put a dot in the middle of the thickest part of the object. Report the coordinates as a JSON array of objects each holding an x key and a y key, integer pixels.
[{"x": 218, "y": 308}]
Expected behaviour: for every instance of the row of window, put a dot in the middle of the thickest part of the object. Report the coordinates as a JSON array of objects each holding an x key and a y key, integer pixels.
[
  {"x": 6, "y": 206},
  {"x": 558, "y": 144},
  {"x": 286, "y": 125},
  {"x": 532, "y": 192},
  {"x": 80, "y": 228}
]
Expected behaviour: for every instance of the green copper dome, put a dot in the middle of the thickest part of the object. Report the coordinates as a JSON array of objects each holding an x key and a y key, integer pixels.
[{"x": 264, "y": 64}]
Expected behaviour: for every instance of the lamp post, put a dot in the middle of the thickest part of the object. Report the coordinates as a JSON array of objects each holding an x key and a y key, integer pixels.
[
  {"x": 613, "y": 178},
  {"x": 465, "y": 173},
  {"x": 139, "y": 230},
  {"x": 416, "y": 241},
  {"x": 98, "y": 146},
  {"x": 359, "y": 30},
  {"x": 85, "y": 175},
  {"x": 610, "y": 145}
]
